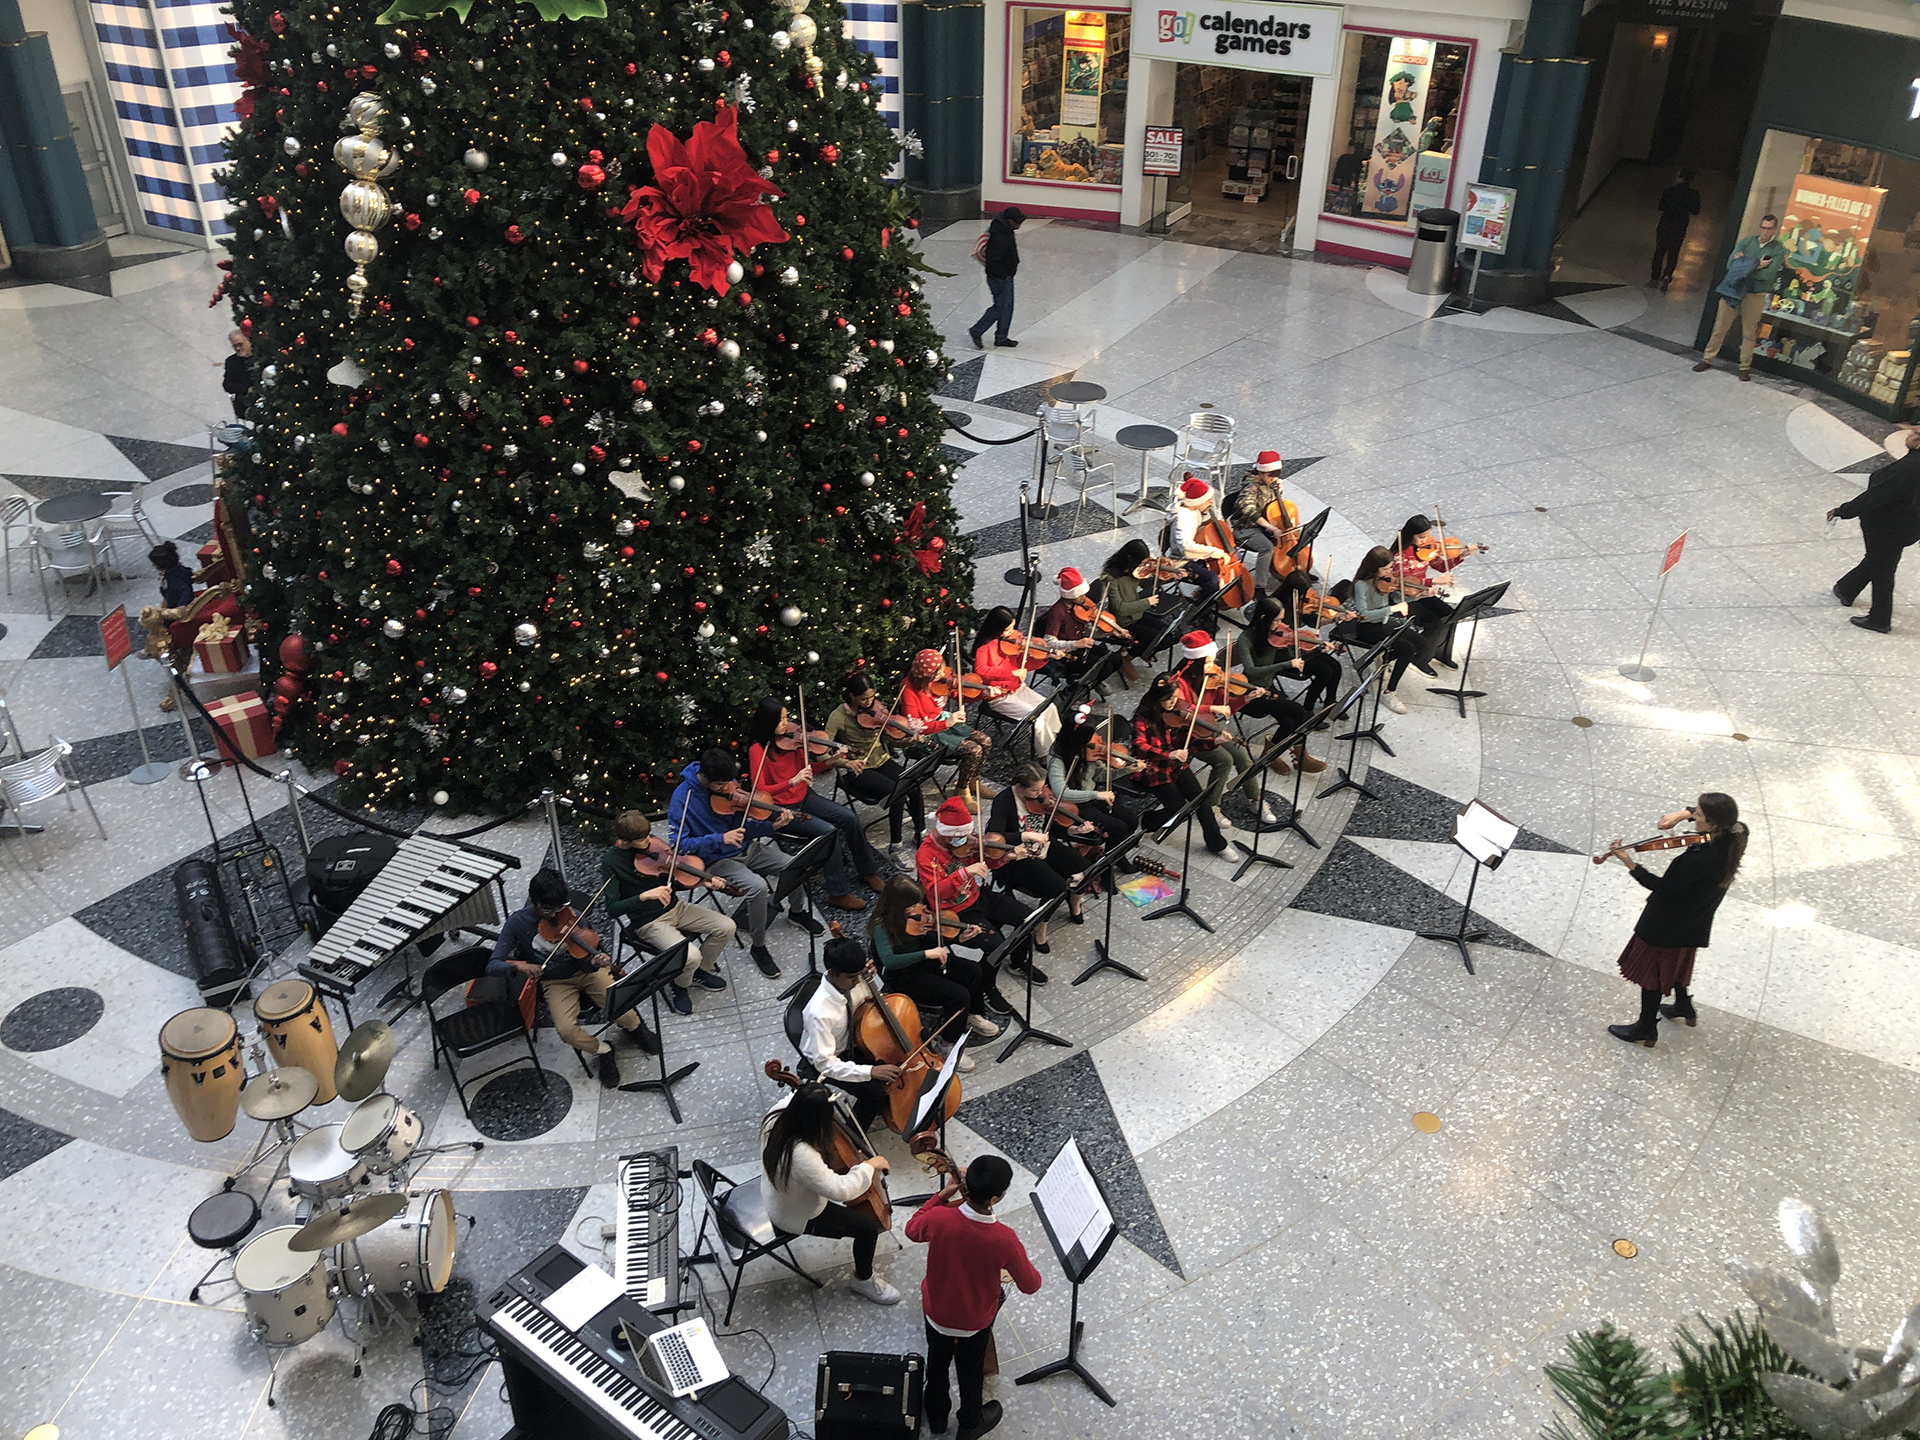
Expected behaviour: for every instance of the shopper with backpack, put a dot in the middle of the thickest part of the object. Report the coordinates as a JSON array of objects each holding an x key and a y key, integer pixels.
[{"x": 999, "y": 255}]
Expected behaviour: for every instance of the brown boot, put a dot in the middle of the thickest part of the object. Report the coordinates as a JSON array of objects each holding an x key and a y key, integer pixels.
[
  {"x": 1703, "y": 365},
  {"x": 846, "y": 902},
  {"x": 1308, "y": 765},
  {"x": 1128, "y": 672},
  {"x": 1279, "y": 765}
]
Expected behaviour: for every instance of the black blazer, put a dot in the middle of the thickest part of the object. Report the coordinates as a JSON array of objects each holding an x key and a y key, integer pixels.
[
  {"x": 1679, "y": 912},
  {"x": 1890, "y": 505}
]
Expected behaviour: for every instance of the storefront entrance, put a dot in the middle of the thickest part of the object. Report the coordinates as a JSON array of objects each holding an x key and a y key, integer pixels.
[{"x": 1245, "y": 135}]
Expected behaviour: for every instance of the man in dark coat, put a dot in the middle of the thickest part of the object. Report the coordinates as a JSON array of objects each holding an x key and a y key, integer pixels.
[
  {"x": 1001, "y": 260},
  {"x": 237, "y": 378},
  {"x": 1679, "y": 203},
  {"x": 1889, "y": 514}
]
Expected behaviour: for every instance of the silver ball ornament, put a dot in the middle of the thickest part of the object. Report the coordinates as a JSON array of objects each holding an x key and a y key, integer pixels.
[
  {"x": 837, "y": 384},
  {"x": 579, "y": 468},
  {"x": 525, "y": 633},
  {"x": 676, "y": 482},
  {"x": 623, "y": 528},
  {"x": 455, "y": 695},
  {"x": 475, "y": 160},
  {"x": 866, "y": 479},
  {"x": 729, "y": 351},
  {"x": 440, "y": 797},
  {"x": 291, "y": 145},
  {"x": 790, "y": 616},
  {"x": 736, "y": 272},
  {"x": 559, "y": 158},
  {"x": 394, "y": 629}
]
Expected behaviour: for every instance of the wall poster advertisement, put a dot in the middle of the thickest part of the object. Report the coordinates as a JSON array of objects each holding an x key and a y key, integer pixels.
[
  {"x": 1396, "y": 136},
  {"x": 1081, "y": 70}
]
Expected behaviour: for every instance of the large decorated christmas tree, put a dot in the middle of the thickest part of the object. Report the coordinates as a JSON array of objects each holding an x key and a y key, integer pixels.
[{"x": 594, "y": 391}]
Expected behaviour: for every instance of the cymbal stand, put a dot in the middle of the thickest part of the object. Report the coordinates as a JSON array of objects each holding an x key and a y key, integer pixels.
[{"x": 283, "y": 1135}]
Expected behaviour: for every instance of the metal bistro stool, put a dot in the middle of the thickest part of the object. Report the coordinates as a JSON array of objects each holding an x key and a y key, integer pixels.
[{"x": 221, "y": 1222}]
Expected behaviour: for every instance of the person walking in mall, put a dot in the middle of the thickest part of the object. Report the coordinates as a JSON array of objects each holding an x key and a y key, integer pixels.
[
  {"x": 1001, "y": 259},
  {"x": 1677, "y": 920},
  {"x": 1679, "y": 203},
  {"x": 1889, "y": 514},
  {"x": 1753, "y": 269}
]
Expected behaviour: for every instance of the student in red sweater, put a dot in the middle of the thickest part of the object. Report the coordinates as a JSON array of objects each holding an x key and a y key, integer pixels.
[{"x": 966, "y": 1251}]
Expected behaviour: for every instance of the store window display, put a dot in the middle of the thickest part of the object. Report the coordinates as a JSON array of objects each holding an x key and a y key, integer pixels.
[
  {"x": 1846, "y": 308},
  {"x": 1068, "y": 105},
  {"x": 1399, "y": 106}
]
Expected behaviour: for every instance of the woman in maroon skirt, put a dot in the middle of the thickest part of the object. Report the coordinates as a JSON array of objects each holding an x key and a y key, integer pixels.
[{"x": 1678, "y": 918}]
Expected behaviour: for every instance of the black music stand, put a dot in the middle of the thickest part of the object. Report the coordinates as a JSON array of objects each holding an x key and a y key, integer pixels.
[
  {"x": 1354, "y": 704},
  {"x": 1103, "y": 869},
  {"x": 1486, "y": 836},
  {"x": 1078, "y": 1265},
  {"x": 1374, "y": 729},
  {"x": 1277, "y": 744},
  {"x": 1180, "y": 905},
  {"x": 645, "y": 982},
  {"x": 1036, "y": 917},
  {"x": 1469, "y": 609},
  {"x": 806, "y": 862}
]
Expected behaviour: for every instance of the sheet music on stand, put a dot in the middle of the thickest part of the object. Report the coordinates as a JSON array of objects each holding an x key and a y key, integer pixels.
[
  {"x": 1075, "y": 1210},
  {"x": 1484, "y": 834},
  {"x": 923, "y": 1110}
]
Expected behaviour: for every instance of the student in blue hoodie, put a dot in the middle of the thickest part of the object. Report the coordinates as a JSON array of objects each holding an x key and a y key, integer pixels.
[{"x": 732, "y": 848}]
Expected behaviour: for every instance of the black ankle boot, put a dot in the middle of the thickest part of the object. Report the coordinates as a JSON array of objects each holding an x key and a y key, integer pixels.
[
  {"x": 1646, "y": 1030},
  {"x": 1682, "y": 1007}
]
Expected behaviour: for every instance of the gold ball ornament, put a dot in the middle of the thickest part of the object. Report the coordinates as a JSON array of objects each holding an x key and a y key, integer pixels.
[{"x": 365, "y": 206}]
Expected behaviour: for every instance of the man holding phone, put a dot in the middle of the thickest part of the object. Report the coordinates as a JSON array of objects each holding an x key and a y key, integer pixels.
[{"x": 1753, "y": 269}]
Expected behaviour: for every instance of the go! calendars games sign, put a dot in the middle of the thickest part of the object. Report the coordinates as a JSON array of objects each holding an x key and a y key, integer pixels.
[{"x": 1279, "y": 39}]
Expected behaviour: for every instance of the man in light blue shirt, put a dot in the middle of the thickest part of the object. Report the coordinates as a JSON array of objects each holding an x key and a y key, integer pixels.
[{"x": 1753, "y": 269}]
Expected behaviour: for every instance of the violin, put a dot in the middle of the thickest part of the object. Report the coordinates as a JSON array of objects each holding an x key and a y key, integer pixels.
[
  {"x": 1233, "y": 683},
  {"x": 689, "y": 871},
  {"x": 1286, "y": 637},
  {"x": 1045, "y": 804},
  {"x": 1204, "y": 727},
  {"x": 759, "y": 806},
  {"x": 971, "y": 687},
  {"x": 1101, "y": 751},
  {"x": 920, "y": 924},
  {"x": 1448, "y": 548},
  {"x": 847, "y": 1149},
  {"x": 819, "y": 745},
  {"x": 1658, "y": 842},
  {"x": 878, "y": 719},
  {"x": 1030, "y": 654},
  {"x": 1090, "y": 612},
  {"x": 1158, "y": 567},
  {"x": 564, "y": 933}
]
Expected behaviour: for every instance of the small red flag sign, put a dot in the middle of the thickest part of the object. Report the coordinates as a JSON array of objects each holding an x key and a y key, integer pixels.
[
  {"x": 115, "y": 638},
  {"x": 1673, "y": 553}
]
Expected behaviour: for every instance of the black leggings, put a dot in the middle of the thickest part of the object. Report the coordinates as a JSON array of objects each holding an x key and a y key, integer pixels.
[
  {"x": 1406, "y": 647},
  {"x": 875, "y": 785},
  {"x": 993, "y": 909},
  {"x": 1046, "y": 877},
  {"x": 1173, "y": 796},
  {"x": 954, "y": 986},
  {"x": 837, "y": 1222},
  {"x": 966, "y": 1354}
]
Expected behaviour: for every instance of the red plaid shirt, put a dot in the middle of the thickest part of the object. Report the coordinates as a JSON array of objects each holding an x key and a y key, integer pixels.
[{"x": 1152, "y": 746}]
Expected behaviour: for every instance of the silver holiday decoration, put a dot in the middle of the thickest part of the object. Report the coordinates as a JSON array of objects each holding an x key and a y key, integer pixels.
[
  {"x": 791, "y": 615},
  {"x": 475, "y": 160},
  {"x": 394, "y": 629},
  {"x": 525, "y": 633},
  {"x": 363, "y": 203},
  {"x": 1882, "y": 1394}
]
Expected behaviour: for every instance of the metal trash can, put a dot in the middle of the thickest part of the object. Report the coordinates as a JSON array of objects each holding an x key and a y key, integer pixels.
[{"x": 1436, "y": 235}]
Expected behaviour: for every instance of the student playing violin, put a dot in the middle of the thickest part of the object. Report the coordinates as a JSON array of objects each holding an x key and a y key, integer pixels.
[
  {"x": 778, "y": 755},
  {"x": 1063, "y": 625},
  {"x": 1160, "y": 744},
  {"x": 870, "y": 765},
  {"x": 1213, "y": 744},
  {"x": 1137, "y": 600},
  {"x": 999, "y": 658},
  {"x": 1085, "y": 783},
  {"x": 943, "y": 720},
  {"x": 657, "y": 918},
  {"x": 1024, "y": 814},
  {"x": 952, "y": 874},
  {"x": 919, "y": 964},
  {"x": 1428, "y": 563},
  {"x": 1376, "y": 592},
  {"x": 1264, "y": 653}
]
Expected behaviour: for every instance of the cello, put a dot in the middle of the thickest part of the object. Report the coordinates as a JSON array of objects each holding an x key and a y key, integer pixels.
[
  {"x": 1236, "y": 581},
  {"x": 887, "y": 1027},
  {"x": 848, "y": 1149}
]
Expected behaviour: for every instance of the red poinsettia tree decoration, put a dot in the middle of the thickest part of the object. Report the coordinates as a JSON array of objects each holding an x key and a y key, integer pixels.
[
  {"x": 705, "y": 202},
  {"x": 250, "y": 65},
  {"x": 927, "y": 557}
]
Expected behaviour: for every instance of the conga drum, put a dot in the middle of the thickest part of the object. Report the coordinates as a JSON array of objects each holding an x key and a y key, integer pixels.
[
  {"x": 295, "y": 1026},
  {"x": 200, "y": 1064}
]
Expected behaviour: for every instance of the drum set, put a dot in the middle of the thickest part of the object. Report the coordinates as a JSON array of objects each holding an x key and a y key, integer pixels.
[{"x": 363, "y": 1232}]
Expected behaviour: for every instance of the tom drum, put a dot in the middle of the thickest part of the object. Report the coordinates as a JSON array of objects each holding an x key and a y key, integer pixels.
[
  {"x": 321, "y": 1168},
  {"x": 285, "y": 1290},
  {"x": 295, "y": 1026},
  {"x": 200, "y": 1063},
  {"x": 412, "y": 1254},
  {"x": 382, "y": 1132}
]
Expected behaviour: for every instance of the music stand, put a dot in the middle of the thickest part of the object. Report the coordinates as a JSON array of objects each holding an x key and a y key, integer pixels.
[
  {"x": 1486, "y": 836},
  {"x": 1469, "y": 609},
  {"x": 645, "y": 982},
  {"x": 806, "y": 862},
  {"x": 1180, "y": 905},
  {"x": 1036, "y": 917},
  {"x": 1356, "y": 698},
  {"x": 1080, "y": 1226},
  {"x": 1374, "y": 729},
  {"x": 1278, "y": 744},
  {"x": 1102, "y": 869}
]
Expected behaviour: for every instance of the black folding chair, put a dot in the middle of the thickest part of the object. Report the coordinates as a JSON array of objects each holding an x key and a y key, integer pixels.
[
  {"x": 475, "y": 1028},
  {"x": 742, "y": 1231}
]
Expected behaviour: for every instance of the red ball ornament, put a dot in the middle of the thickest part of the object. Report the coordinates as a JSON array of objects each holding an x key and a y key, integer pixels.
[
  {"x": 590, "y": 177},
  {"x": 901, "y": 432},
  {"x": 661, "y": 676},
  {"x": 746, "y": 300},
  {"x": 830, "y": 154},
  {"x": 510, "y": 337},
  {"x": 473, "y": 322},
  {"x": 846, "y": 252},
  {"x": 903, "y": 309},
  {"x": 340, "y": 428},
  {"x": 471, "y": 196},
  {"x": 421, "y": 441},
  {"x": 632, "y": 69},
  {"x": 598, "y": 452},
  {"x": 277, "y": 23},
  {"x": 411, "y": 221},
  {"x": 626, "y": 552},
  {"x": 710, "y": 337},
  {"x": 579, "y": 367},
  {"x": 545, "y": 422},
  {"x": 473, "y": 592},
  {"x": 514, "y": 237},
  {"x": 799, "y": 219},
  {"x": 633, "y": 322},
  {"x": 639, "y": 387},
  {"x": 700, "y": 607},
  {"x": 341, "y": 767},
  {"x": 293, "y": 655},
  {"x": 519, "y": 371},
  {"x": 419, "y": 55},
  {"x": 694, "y": 446},
  {"x": 393, "y": 567},
  {"x": 488, "y": 669},
  {"x": 773, "y": 157}
]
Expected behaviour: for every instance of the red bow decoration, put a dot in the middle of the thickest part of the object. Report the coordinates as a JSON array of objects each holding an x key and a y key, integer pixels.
[
  {"x": 928, "y": 559},
  {"x": 704, "y": 204},
  {"x": 250, "y": 66}
]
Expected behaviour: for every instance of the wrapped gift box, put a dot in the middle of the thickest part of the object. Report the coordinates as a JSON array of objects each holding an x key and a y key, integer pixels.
[
  {"x": 245, "y": 725},
  {"x": 227, "y": 656}
]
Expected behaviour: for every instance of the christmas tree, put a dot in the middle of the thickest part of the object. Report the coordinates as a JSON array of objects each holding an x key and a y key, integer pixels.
[{"x": 594, "y": 391}]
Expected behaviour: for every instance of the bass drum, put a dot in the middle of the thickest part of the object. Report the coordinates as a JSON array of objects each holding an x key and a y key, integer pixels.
[
  {"x": 412, "y": 1254},
  {"x": 295, "y": 1026},
  {"x": 320, "y": 1169},
  {"x": 200, "y": 1064},
  {"x": 382, "y": 1132},
  {"x": 285, "y": 1290}
]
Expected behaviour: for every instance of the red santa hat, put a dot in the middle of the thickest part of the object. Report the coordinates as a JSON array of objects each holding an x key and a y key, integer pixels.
[
  {"x": 1194, "y": 488},
  {"x": 1269, "y": 462},
  {"x": 1072, "y": 585},
  {"x": 1196, "y": 645},
  {"x": 953, "y": 819}
]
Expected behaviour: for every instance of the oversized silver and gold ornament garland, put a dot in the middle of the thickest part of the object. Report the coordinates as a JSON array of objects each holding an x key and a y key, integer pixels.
[{"x": 364, "y": 203}]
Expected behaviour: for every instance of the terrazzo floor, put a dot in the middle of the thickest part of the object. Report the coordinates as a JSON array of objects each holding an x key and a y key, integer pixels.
[{"x": 1296, "y": 1259}]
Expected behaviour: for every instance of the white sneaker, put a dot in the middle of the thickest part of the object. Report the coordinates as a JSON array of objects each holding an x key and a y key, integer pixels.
[
  {"x": 941, "y": 1051},
  {"x": 982, "y": 1027},
  {"x": 1394, "y": 703},
  {"x": 876, "y": 1290},
  {"x": 1220, "y": 819},
  {"x": 1268, "y": 815}
]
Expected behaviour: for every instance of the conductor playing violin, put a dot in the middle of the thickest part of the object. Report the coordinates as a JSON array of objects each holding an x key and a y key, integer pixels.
[{"x": 567, "y": 968}]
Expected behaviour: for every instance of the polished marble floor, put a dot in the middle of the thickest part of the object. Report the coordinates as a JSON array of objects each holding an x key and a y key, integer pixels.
[{"x": 1296, "y": 1258}]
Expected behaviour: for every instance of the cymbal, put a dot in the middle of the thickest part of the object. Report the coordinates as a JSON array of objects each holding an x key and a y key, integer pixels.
[
  {"x": 279, "y": 1094},
  {"x": 350, "y": 1222},
  {"x": 363, "y": 1060}
]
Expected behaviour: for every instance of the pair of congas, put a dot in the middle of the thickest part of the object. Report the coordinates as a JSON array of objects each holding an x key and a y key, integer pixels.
[{"x": 200, "y": 1058}]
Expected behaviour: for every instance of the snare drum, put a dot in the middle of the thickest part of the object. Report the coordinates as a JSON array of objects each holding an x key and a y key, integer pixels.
[
  {"x": 285, "y": 1290},
  {"x": 321, "y": 1168},
  {"x": 382, "y": 1132},
  {"x": 412, "y": 1254},
  {"x": 200, "y": 1063},
  {"x": 295, "y": 1026}
]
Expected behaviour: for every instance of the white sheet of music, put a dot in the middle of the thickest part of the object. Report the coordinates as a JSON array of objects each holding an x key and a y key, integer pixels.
[
  {"x": 1075, "y": 1209},
  {"x": 1482, "y": 833},
  {"x": 952, "y": 1063},
  {"x": 582, "y": 1298}
]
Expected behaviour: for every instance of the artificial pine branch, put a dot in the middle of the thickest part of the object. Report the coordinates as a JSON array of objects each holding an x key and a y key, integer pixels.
[
  {"x": 1717, "y": 1382},
  {"x": 1611, "y": 1388}
]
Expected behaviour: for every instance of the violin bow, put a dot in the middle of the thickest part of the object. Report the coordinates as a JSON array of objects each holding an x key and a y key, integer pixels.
[
  {"x": 1193, "y": 717},
  {"x": 806, "y": 761},
  {"x": 579, "y": 915},
  {"x": 1109, "y": 729}
]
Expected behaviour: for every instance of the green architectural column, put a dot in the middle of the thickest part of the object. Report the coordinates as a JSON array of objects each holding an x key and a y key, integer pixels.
[
  {"x": 942, "y": 64},
  {"x": 44, "y": 206},
  {"x": 1530, "y": 141}
]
